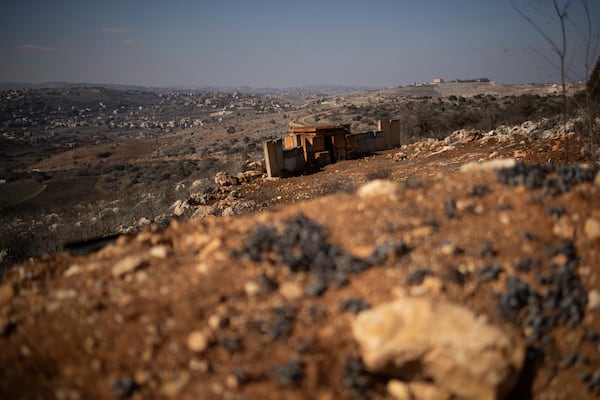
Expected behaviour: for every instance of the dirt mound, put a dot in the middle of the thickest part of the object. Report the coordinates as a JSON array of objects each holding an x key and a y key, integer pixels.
[{"x": 261, "y": 306}]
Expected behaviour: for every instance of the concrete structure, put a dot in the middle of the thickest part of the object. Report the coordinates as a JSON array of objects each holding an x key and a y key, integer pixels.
[
  {"x": 313, "y": 147},
  {"x": 437, "y": 80}
]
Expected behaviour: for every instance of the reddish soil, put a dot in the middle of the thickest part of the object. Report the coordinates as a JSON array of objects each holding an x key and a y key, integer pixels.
[{"x": 210, "y": 309}]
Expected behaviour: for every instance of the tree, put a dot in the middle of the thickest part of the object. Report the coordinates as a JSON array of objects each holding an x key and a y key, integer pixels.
[
  {"x": 586, "y": 29},
  {"x": 593, "y": 83}
]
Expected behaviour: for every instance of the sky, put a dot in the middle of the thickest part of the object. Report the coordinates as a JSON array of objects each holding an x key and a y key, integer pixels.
[{"x": 264, "y": 43}]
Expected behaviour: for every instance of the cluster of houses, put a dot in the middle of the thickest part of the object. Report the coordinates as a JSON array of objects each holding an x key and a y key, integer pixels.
[{"x": 308, "y": 148}]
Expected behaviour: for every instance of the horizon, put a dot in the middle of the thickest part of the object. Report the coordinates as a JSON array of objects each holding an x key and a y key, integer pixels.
[{"x": 266, "y": 44}]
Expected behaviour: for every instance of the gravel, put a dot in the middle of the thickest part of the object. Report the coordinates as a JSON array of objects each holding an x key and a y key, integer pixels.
[
  {"x": 356, "y": 378},
  {"x": 552, "y": 179},
  {"x": 561, "y": 299},
  {"x": 303, "y": 246}
]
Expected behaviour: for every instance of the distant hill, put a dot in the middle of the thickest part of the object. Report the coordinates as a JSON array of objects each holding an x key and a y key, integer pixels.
[{"x": 319, "y": 89}]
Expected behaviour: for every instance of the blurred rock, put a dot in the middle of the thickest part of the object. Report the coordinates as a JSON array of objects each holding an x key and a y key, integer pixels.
[
  {"x": 593, "y": 300},
  {"x": 128, "y": 264},
  {"x": 6, "y": 294},
  {"x": 197, "y": 341},
  {"x": 592, "y": 228},
  {"x": 488, "y": 165},
  {"x": 422, "y": 338},
  {"x": 377, "y": 188}
]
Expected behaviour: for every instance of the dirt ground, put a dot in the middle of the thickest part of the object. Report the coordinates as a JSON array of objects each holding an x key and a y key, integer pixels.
[{"x": 237, "y": 307}]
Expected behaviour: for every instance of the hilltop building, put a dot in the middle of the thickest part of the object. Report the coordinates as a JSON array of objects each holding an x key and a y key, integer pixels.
[{"x": 312, "y": 147}]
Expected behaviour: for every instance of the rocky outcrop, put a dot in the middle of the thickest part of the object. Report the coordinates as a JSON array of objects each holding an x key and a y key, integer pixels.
[
  {"x": 424, "y": 339},
  {"x": 225, "y": 180}
]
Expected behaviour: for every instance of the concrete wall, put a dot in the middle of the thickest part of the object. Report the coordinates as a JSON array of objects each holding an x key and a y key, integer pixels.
[
  {"x": 293, "y": 161},
  {"x": 392, "y": 132},
  {"x": 339, "y": 147},
  {"x": 282, "y": 162},
  {"x": 364, "y": 143}
]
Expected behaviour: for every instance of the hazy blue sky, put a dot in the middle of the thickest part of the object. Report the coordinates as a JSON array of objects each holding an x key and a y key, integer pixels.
[{"x": 274, "y": 43}]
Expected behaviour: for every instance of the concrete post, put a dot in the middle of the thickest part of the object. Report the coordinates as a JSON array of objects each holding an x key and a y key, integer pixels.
[{"x": 273, "y": 151}]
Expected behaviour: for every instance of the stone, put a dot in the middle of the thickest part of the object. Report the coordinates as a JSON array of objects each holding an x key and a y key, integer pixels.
[
  {"x": 197, "y": 365},
  {"x": 180, "y": 207},
  {"x": 216, "y": 322},
  {"x": 260, "y": 286},
  {"x": 225, "y": 179},
  {"x": 594, "y": 300},
  {"x": 490, "y": 165},
  {"x": 416, "y": 391},
  {"x": 399, "y": 156},
  {"x": 252, "y": 175},
  {"x": 440, "y": 341},
  {"x": 174, "y": 387},
  {"x": 592, "y": 228},
  {"x": 127, "y": 265},
  {"x": 159, "y": 251},
  {"x": 427, "y": 391},
  {"x": 291, "y": 291},
  {"x": 7, "y": 293},
  {"x": 197, "y": 341},
  {"x": 398, "y": 390},
  {"x": 143, "y": 221},
  {"x": 72, "y": 270},
  {"x": 202, "y": 212},
  {"x": 377, "y": 188},
  {"x": 564, "y": 228}
]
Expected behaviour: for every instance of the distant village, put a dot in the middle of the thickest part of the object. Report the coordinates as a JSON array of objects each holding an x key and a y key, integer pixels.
[{"x": 133, "y": 114}]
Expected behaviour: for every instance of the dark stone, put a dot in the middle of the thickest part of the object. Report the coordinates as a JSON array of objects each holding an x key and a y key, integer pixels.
[
  {"x": 240, "y": 374},
  {"x": 124, "y": 387},
  {"x": 486, "y": 250},
  {"x": 231, "y": 343},
  {"x": 556, "y": 211},
  {"x": 527, "y": 264},
  {"x": 353, "y": 305},
  {"x": 489, "y": 272},
  {"x": 356, "y": 378},
  {"x": 453, "y": 274},
  {"x": 527, "y": 235},
  {"x": 290, "y": 373},
  {"x": 450, "y": 208},
  {"x": 479, "y": 190},
  {"x": 417, "y": 277},
  {"x": 316, "y": 287}
]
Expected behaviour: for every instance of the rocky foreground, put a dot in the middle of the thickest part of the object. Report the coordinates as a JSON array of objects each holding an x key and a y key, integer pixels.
[{"x": 480, "y": 281}]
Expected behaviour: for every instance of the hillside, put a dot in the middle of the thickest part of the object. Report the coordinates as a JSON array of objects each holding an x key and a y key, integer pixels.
[{"x": 276, "y": 304}]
